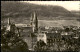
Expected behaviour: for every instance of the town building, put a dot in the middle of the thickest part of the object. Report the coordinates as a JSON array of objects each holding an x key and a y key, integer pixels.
[
  {"x": 42, "y": 36},
  {"x": 10, "y": 26}
]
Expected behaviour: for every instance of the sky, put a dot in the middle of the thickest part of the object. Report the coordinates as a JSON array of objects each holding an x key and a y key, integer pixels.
[{"x": 69, "y": 5}]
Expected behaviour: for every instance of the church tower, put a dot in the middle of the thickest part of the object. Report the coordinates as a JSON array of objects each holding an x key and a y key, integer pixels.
[
  {"x": 8, "y": 25},
  {"x": 34, "y": 22}
]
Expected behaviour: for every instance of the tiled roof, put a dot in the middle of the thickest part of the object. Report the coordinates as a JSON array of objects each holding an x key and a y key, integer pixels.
[{"x": 53, "y": 34}]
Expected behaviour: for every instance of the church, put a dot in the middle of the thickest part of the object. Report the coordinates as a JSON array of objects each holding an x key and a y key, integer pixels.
[
  {"x": 35, "y": 30},
  {"x": 31, "y": 33}
]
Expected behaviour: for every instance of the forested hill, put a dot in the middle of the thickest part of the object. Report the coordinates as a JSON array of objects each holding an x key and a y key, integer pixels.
[{"x": 24, "y": 10}]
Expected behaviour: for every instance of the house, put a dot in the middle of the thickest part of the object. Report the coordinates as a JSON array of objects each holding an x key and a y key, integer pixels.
[
  {"x": 42, "y": 36},
  {"x": 54, "y": 36},
  {"x": 11, "y": 27}
]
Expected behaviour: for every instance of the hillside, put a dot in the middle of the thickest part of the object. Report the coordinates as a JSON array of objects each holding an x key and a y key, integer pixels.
[{"x": 24, "y": 10}]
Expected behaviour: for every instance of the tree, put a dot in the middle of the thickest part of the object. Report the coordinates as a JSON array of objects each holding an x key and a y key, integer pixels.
[
  {"x": 10, "y": 41},
  {"x": 67, "y": 29},
  {"x": 40, "y": 45}
]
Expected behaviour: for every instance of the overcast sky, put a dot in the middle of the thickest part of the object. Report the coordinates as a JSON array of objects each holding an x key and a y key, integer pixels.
[{"x": 69, "y": 5}]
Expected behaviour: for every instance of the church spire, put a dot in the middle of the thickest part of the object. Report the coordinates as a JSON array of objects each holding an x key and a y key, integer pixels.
[
  {"x": 8, "y": 21},
  {"x": 31, "y": 20},
  {"x": 34, "y": 14},
  {"x": 35, "y": 17},
  {"x": 35, "y": 22}
]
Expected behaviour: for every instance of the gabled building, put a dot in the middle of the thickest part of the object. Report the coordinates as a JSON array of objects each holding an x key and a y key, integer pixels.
[
  {"x": 55, "y": 36},
  {"x": 42, "y": 36},
  {"x": 12, "y": 28}
]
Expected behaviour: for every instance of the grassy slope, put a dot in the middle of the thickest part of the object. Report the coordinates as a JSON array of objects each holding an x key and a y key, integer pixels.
[
  {"x": 20, "y": 13},
  {"x": 22, "y": 10}
]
